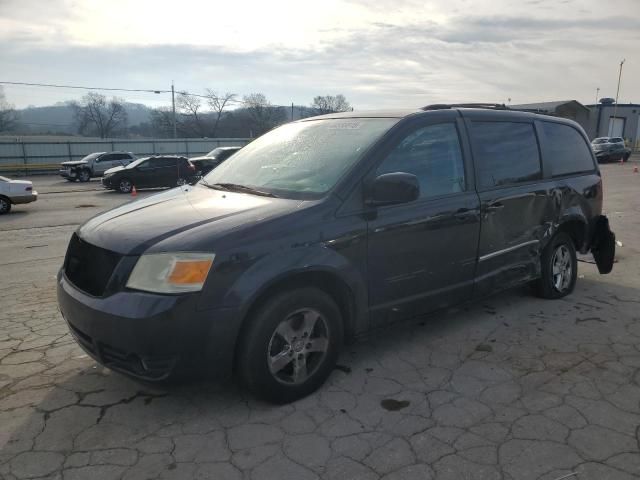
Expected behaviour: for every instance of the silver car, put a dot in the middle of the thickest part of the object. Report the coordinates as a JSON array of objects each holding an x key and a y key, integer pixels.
[{"x": 15, "y": 191}]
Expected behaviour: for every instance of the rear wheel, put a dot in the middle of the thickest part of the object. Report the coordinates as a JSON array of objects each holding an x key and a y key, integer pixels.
[
  {"x": 559, "y": 267},
  {"x": 626, "y": 157},
  {"x": 290, "y": 345},
  {"x": 125, "y": 185},
  {"x": 5, "y": 205},
  {"x": 180, "y": 182}
]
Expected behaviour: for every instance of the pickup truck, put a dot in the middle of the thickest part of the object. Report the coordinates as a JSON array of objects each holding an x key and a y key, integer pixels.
[{"x": 94, "y": 165}]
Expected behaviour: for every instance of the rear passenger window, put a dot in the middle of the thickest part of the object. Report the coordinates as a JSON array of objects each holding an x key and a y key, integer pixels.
[
  {"x": 506, "y": 153},
  {"x": 566, "y": 149},
  {"x": 433, "y": 155}
]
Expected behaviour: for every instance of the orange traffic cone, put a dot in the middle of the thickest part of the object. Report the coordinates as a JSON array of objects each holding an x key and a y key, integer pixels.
[
  {"x": 134, "y": 192},
  {"x": 635, "y": 169}
]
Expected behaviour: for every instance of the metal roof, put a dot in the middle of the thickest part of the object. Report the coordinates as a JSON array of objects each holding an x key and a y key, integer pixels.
[{"x": 546, "y": 107}]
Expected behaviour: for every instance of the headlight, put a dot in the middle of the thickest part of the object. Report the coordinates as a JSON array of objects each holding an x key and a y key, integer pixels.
[{"x": 171, "y": 272}]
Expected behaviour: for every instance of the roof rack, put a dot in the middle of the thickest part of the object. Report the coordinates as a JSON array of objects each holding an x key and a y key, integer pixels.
[{"x": 445, "y": 106}]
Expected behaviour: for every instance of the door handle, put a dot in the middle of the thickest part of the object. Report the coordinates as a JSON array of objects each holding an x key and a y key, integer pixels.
[
  {"x": 494, "y": 207},
  {"x": 463, "y": 213}
]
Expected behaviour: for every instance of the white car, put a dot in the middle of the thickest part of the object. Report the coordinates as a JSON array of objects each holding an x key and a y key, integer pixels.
[{"x": 14, "y": 192}]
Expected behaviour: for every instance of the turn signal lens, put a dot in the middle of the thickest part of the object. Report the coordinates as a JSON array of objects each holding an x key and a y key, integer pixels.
[{"x": 190, "y": 271}]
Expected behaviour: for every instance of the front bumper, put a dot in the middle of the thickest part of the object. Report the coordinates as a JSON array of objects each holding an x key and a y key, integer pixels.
[
  {"x": 150, "y": 336},
  {"x": 67, "y": 173},
  {"x": 107, "y": 183},
  {"x": 32, "y": 197}
]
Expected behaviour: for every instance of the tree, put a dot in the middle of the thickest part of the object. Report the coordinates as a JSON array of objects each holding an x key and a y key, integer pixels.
[
  {"x": 218, "y": 103},
  {"x": 94, "y": 114},
  {"x": 8, "y": 115},
  {"x": 330, "y": 104},
  {"x": 192, "y": 122},
  {"x": 264, "y": 116}
]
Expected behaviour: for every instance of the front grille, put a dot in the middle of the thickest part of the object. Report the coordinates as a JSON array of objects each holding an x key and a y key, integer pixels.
[{"x": 89, "y": 267}]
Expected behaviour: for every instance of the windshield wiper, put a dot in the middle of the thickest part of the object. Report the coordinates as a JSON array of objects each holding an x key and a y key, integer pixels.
[
  {"x": 215, "y": 186},
  {"x": 241, "y": 188}
]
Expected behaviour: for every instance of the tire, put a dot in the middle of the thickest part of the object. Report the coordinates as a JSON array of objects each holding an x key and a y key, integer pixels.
[
  {"x": 5, "y": 205},
  {"x": 626, "y": 157},
  {"x": 180, "y": 182},
  {"x": 559, "y": 268},
  {"x": 275, "y": 342},
  {"x": 84, "y": 175},
  {"x": 125, "y": 185}
]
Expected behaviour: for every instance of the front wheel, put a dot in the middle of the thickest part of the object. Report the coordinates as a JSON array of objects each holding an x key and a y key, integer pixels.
[
  {"x": 559, "y": 267},
  {"x": 84, "y": 175},
  {"x": 290, "y": 345},
  {"x": 125, "y": 186}
]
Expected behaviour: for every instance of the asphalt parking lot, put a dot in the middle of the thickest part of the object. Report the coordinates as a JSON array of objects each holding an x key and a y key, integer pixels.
[{"x": 511, "y": 388}]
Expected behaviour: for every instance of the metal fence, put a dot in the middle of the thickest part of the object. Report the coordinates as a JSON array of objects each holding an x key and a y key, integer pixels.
[{"x": 34, "y": 157}]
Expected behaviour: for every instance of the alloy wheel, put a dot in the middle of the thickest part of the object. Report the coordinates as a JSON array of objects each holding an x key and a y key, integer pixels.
[
  {"x": 562, "y": 268},
  {"x": 298, "y": 346},
  {"x": 125, "y": 186}
]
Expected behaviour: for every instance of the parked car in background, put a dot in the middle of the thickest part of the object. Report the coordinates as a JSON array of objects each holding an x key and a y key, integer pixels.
[
  {"x": 150, "y": 172},
  {"x": 212, "y": 159},
  {"x": 326, "y": 228},
  {"x": 94, "y": 165},
  {"x": 14, "y": 192},
  {"x": 610, "y": 149}
]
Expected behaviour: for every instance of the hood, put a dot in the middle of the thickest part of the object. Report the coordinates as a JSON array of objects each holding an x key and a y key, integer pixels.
[
  {"x": 75, "y": 162},
  {"x": 136, "y": 226},
  {"x": 109, "y": 171}
]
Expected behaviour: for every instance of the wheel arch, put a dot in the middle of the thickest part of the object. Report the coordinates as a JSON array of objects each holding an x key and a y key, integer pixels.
[
  {"x": 577, "y": 227},
  {"x": 326, "y": 280}
]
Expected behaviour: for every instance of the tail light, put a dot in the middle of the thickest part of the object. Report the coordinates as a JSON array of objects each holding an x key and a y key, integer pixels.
[{"x": 191, "y": 167}]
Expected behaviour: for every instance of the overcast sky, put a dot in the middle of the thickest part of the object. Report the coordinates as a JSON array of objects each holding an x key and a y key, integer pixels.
[{"x": 396, "y": 53}]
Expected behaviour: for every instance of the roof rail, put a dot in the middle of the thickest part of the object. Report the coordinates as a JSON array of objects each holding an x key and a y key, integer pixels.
[{"x": 444, "y": 106}]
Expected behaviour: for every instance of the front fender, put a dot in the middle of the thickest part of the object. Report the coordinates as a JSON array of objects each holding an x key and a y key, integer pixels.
[{"x": 239, "y": 289}]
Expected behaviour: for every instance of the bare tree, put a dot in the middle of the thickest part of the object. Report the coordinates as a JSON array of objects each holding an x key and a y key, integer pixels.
[
  {"x": 191, "y": 119},
  {"x": 218, "y": 103},
  {"x": 330, "y": 104},
  {"x": 95, "y": 114},
  {"x": 8, "y": 115},
  {"x": 162, "y": 122},
  {"x": 263, "y": 114}
]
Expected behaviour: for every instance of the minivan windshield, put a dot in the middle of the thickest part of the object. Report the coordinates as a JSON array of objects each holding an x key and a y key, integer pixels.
[{"x": 302, "y": 159}]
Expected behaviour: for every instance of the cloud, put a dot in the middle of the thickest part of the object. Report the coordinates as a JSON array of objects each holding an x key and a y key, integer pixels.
[{"x": 395, "y": 54}]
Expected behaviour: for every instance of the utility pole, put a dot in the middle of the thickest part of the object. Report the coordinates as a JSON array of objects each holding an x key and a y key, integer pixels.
[
  {"x": 173, "y": 104},
  {"x": 597, "y": 94},
  {"x": 615, "y": 107},
  {"x": 292, "y": 111}
]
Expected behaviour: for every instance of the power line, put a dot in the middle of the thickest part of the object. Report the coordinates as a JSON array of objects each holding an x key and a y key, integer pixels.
[
  {"x": 86, "y": 88},
  {"x": 110, "y": 89}
]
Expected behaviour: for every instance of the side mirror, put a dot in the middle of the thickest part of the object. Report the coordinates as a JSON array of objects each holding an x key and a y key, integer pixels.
[{"x": 393, "y": 188}]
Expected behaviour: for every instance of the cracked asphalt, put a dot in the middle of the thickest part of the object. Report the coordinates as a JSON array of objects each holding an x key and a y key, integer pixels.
[{"x": 511, "y": 388}]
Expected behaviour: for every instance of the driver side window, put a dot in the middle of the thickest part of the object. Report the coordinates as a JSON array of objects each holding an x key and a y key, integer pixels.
[{"x": 432, "y": 154}]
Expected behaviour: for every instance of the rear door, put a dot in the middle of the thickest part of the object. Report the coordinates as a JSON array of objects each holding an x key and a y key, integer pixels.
[
  {"x": 513, "y": 200},
  {"x": 421, "y": 255}
]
